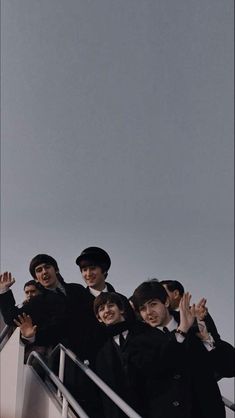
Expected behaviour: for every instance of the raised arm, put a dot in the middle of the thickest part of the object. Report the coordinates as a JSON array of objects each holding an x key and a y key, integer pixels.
[
  {"x": 27, "y": 329},
  {"x": 8, "y": 307},
  {"x": 6, "y": 281},
  {"x": 187, "y": 313}
]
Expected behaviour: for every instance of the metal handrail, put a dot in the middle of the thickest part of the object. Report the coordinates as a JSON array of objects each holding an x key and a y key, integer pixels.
[
  {"x": 130, "y": 412},
  {"x": 68, "y": 398},
  {"x": 6, "y": 332},
  {"x": 228, "y": 403},
  {"x": 66, "y": 394}
]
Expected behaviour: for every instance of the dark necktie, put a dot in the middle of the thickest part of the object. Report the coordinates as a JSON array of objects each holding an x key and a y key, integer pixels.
[
  {"x": 121, "y": 340},
  {"x": 166, "y": 330}
]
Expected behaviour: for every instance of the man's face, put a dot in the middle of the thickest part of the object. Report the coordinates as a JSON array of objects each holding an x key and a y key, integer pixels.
[
  {"x": 94, "y": 277},
  {"x": 46, "y": 275},
  {"x": 155, "y": 313},
  {"x": 109, "y": 313},
  {"x": 30, "y": 292},
  {"x": 174, "y": 297}
]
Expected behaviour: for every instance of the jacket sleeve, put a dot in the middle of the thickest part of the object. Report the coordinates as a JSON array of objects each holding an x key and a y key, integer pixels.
[
  {"x": 211, "y": 327},
  {"x": 8, "y": 308},
  {"x": 223, "y": 360}
]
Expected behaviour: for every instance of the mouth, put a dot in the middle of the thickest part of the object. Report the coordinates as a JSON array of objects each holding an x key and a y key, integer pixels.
[
  {"x": 46, "y": 279},
  {"x": 153, "y": 319},
  {"x": 108, "y": 317}
]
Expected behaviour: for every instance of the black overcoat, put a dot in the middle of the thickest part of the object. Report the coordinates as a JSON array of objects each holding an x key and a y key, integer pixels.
[{"x": 177, "y": 378}]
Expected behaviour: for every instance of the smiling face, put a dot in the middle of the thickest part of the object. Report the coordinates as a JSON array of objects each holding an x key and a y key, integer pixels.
[
  {"x": 155, "y": 313},
  {"x": 109, "y": 313},
  {"x": 46, "y": 275},
  {"x": 94, "y": 277}
]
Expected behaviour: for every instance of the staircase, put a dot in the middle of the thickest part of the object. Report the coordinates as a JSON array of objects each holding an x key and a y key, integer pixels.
[{"x": 24, "y": 394}]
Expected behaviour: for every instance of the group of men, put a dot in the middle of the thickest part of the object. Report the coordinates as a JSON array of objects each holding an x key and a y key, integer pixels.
[{"x": 159, "y": 352}]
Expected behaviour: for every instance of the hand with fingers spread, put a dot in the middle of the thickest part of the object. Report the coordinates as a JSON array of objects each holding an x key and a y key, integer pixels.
[
  {"x": 6, "y": 281},
  {"x": 201, "y": 309},
  {"x": 187, "y": 313},
  {"x": 26, "y": 326}
]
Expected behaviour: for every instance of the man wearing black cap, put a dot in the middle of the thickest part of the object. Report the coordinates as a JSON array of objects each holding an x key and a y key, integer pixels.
[{"x": 94, "y": 263}]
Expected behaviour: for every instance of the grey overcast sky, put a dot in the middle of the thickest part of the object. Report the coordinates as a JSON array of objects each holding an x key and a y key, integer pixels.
[{"x": 117, "y": 131}]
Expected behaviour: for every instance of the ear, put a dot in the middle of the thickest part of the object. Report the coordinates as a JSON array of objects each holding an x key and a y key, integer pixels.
[
  {"x": 176, "y": 294},
  {"x": 167, "y": 303},
  {"x": 100, "y": 320}
]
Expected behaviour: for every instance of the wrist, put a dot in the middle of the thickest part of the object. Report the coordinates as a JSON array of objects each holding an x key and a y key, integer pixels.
[
  {"x": 181, "y": 332},
  {"x": 4, "y": 290}
]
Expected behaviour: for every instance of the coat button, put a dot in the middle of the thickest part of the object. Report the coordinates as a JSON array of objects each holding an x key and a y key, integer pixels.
[
  {"x": 177, "y": 376},
  {"x": 175, "y": 403}
]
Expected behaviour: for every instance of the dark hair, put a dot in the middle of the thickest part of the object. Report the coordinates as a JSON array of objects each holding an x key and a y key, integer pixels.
[
  {"x": 173, "y": 285},
  {"x": 148, "y": 290},
  {"x": 105, "y": 297},
  {"x": 41, "y": 259},
  {"x": 94, "y": 256},
  {"x": 32, "y": 283}
]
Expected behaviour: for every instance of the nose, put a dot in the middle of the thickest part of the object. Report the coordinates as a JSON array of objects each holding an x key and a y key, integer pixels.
[{"x": 148, "y": 310}]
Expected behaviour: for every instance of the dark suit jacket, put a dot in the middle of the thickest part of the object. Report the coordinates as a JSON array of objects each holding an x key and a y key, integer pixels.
[
  {"x": 111, "y": 366},
  {"x": 96, "y": 334},
  {"x": 177, "y": 378},
  {"x": 56, "y": 316},
  {"x": 222, "y": 358}
]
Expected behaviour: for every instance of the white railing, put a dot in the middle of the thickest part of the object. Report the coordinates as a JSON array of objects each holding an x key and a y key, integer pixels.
[
  {"x": 103, "y": 386},
  {"x": 130, "y": 412},
  {"x": 63, "y": 393},
  {"x": 67, "y": 397},
  {"x": 5, "y": 334},
  {"x": 228, "y": 403}
]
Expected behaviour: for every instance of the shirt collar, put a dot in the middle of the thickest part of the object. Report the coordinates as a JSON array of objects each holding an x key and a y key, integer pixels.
[
  {"x": 172, "y": 325},
  {"x": 95, "y": 292},
  {"x": 116, "y": 337},
  {"x": 59, "y": 285}
]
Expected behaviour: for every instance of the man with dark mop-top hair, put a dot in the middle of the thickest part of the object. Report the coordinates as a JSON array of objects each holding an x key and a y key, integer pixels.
[
  {"x": 173, "y": 359},
  {"x": 60, "y": 314},
  {"x": 111, "y": 361},
  {"x": 94, "y": 264},
  {"x": 57, "y": 302}
]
